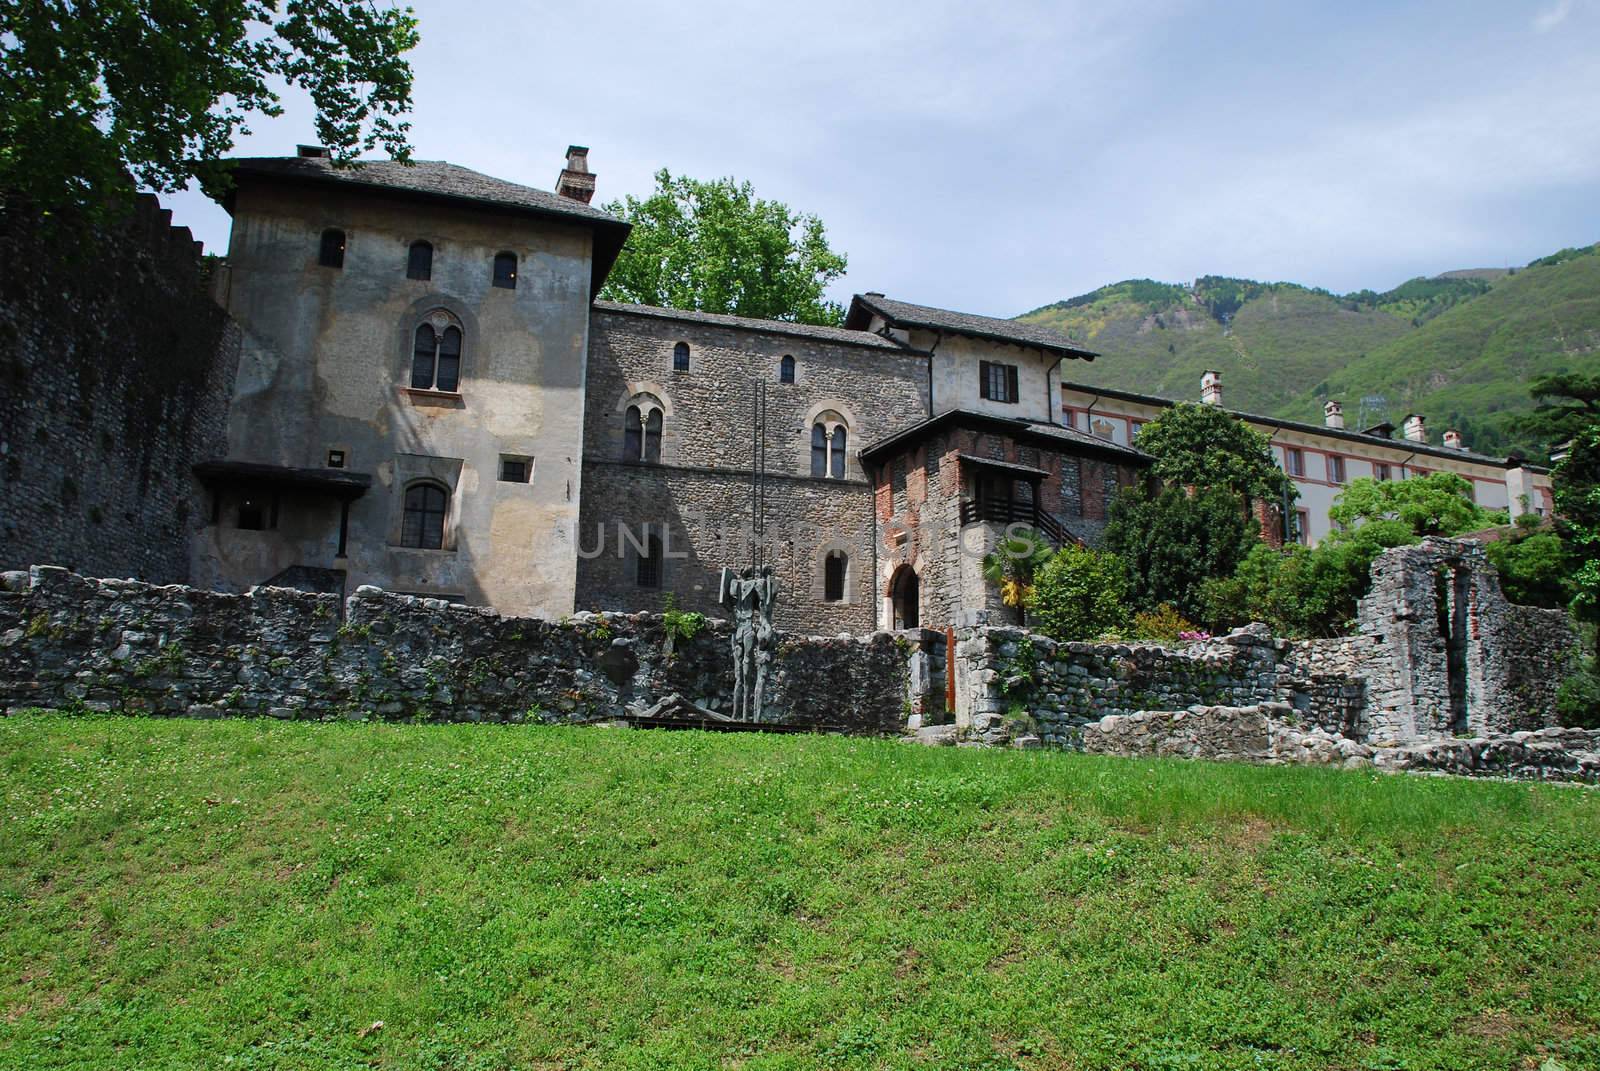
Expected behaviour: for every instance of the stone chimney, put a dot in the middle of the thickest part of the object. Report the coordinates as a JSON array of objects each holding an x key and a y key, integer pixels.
[
  {"x": 1211, "y": 387},
  {"x": 1333, "y": 414},
  {"x": 1452, "y": 439},
  {"x": 312, "y": 152},
  {"x": 576, "y": 181},
  {"x": 1415, "y": 429}
]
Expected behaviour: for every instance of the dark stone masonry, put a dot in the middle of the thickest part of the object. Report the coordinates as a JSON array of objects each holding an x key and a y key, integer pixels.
[
  {"x": 70, "y": 642},
  {"x": 119, "y": 367}
]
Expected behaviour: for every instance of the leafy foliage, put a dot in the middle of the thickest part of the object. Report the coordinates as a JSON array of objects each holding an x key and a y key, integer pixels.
[
  {"x": 1172, "y": 541},
  {"x": 713, "y": 246},
  {"x": 1013, "y": 564},
  {"x": 1198, "y": 445},
  {"x": 1080, "y": 593},
  {"x": 90, "y": 92},
  {"x": 1313, "y": 592},
  {"x": 1577, "y": 499},
  {"x": 681, "y": 625},
  {"x": 1163, "y": 625},
  {"x": 1533, "y": 565},
  {"x": 1568, "y": 402}
]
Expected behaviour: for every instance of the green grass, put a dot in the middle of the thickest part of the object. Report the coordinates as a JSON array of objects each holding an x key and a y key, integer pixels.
[{"x": 179, "y": 894}]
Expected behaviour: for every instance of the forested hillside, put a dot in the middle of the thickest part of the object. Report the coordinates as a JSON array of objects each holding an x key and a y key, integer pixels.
[{"x": 1458, "y": 348}]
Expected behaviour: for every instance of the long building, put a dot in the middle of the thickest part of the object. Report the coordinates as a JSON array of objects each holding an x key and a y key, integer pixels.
[{"x": 431, "y": 398}]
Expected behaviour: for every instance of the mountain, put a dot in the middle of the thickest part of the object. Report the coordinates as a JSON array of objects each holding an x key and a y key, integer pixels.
[{"x": 1459, "y": 348}]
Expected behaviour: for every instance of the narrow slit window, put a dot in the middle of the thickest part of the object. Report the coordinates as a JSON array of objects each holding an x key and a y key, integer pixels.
[
  {"x": 419, "y": 261},
  {"x": 505, "y": 271},
  {"x": 331, "y": 252},
  {"x": 680, "y": 357},
  {"x": 786, "y": 369},
  {"x": 649, "y": 569},
  {"x": 833, "y": 571},
  {"x": 422, "y": 353}
]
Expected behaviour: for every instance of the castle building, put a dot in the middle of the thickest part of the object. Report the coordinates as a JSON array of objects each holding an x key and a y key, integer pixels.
[{"x": 430, "y": 398}]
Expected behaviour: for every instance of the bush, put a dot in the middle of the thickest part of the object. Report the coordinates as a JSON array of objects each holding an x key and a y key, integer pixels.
[
  {"x": 1163, "y": 625},
  {"x": 1533, "y": 565},
  {"x": 1578, "y": 701},
  {"x": 1079, "y": 594},
  {"x": 1173, "y": 541}
]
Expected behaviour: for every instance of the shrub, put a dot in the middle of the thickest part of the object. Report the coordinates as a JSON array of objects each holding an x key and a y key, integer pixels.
[
  {"x": 1164, "y": 625},
  {"x": 1173, "y": 541},
  {"x": 1533, "y": 565},
  {"x": 1080, "y": 593},
  {"x": 1578, "y": 700}
]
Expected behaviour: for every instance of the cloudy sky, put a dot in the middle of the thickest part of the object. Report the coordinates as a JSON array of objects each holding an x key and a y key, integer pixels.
[{"x": 994, "y": 157}]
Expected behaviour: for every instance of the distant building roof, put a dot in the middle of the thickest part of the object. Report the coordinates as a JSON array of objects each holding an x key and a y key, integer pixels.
[
  {"x": 1038, "y": 432},
  {"x": 1014, "y": 332},
  {"x": 1375, "y": 436},
  {"x": 771, "y": 327},
  {"x": 436, "y": 180}
]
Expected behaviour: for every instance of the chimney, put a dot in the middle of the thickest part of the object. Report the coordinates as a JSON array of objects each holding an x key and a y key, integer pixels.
[
  {"x": 312, "y": 152},
  {"x": 1211, "y": 387},
  {"x": 1333, "y": 414},
  {"x": 1452, "y": 439},
  {"x": 576, "y": 181},
  {"x": 1415, "y": 429}
]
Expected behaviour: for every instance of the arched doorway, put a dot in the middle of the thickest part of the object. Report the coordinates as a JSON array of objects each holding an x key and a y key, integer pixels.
[{"x": 903, "y": 599}]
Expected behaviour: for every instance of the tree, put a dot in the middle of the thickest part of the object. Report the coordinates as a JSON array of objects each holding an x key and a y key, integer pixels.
[
  {"x": 1198, "y": 445},
  {"x": 1438, "y": 504},
  {"x": 1080, "y": 593},
  {"x": 1533, "y": 566},
  {"x": 93, "y": 91},
  {"x": 1576, "y": 481},
  {"x": 1012, "y": 566},
  {"x": 1172, "y": 541},
  {"x": 1569, "y": 402},
  {"x": 716, "y": 247}
]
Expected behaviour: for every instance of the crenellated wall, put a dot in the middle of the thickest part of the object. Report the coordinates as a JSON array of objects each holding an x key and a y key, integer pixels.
[{"x": 117, "y": 366}]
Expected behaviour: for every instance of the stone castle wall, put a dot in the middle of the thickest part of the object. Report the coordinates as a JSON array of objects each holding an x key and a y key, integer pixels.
[
  {"x": 700, "y": 492},
  {"x": 118, "y": 366},
  {"x": 67, "y": 641}
]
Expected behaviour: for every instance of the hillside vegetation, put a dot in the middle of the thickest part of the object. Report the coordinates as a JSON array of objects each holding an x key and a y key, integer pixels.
[
  {"x": 181, "y": 894},
  {"x": 1458, "y": 348}
]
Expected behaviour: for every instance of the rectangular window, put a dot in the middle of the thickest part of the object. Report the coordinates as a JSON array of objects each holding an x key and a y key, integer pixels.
[
  {"x": 1380, "y": 472},
  {"x": 1294, "y": 461},
  {"x": 1335, "y": 469},
  {"x": 515, "y": 469},
  {"x": 997, "y": 382},
  {"x": 1133, "y": 429},
  {"x": 1069, "y": 418},
  {"x": 1302, "y": 526},
  {"x": 336, "y": 459}
]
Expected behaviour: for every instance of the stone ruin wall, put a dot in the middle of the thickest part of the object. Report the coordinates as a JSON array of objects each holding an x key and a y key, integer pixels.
[
  {"x": 69, "y": 642},
  {"x": 119, "y": 367}
]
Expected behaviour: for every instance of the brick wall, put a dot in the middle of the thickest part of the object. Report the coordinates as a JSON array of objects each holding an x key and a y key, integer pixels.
[{"x": 118, "y": 368}]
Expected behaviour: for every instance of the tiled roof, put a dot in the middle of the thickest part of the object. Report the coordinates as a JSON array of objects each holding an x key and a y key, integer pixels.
[
  {"x": 905, "y": 314},
  {"x": 434, "y": 178},
  {"x": 772, "y": 327},
  {"x": 1065, "y": 439}
]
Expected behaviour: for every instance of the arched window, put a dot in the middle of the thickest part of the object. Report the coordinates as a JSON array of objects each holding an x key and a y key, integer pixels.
[
  {"x": 833, "y": 572},
  {"x": 786, "y": 369},
  {"x": 419, "y": 261},
  {"x": 641, "y": 431},
  {"x": 423, "y": 523},
  {"x": 829, "y": 443},
  {"x": 436, "y": 355},
  {"x": 680, "y": 357},
  {"x": 331, "y": 252},
  {"x": 505, "y": 270},
  {"x": 648, "y": 572}
]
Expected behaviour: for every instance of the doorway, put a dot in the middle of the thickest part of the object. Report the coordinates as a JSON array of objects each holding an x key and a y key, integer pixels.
[{"x": 903, "y": 599}]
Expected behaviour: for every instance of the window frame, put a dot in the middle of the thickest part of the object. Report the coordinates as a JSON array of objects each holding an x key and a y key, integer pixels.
[
  {"x": 424, "y": 271},
  {"x": 1336, "y": 469},
  {"x": 830, "y": 448},
  {"x": 680, "y": 356},
  {"x": 644, "y": 425},
  {"x": 786, "y": 369},
  {"x": 1294, "y": 461},
  {"x": 834, "y": 588},
  {"x": 440, "y": 328},
  {"x": 330, "y": 255},
  {"x": 997, "y": 382},
  {"x": 501, "y": 279},
  {"x": 523, "y": 461},
  {"x": 424, "y": 511}
]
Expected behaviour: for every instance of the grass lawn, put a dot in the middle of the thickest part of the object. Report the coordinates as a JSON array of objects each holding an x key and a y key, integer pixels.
[{"x": 179, "y": 894}]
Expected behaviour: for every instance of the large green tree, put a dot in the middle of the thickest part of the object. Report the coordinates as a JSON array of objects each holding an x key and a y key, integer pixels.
[
  {"x": 1568, "y": 403},
  {"x": 1198, "y": 445},
  {"x": 1577, "y": 497},
  {"x": 93, "y": 91},
  {"x": 1173, "y": 540},
  {"x": 716, "y": 247}
]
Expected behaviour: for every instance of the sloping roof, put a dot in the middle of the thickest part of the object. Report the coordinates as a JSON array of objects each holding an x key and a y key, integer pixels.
[
  {"x": 771, "y": 327},
  {"x": 905, "y": 314},
  {"x": 437, "y": 180},
  {"x": 1345, "y": 434},
  {"x": 1053, "y": 436}
]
